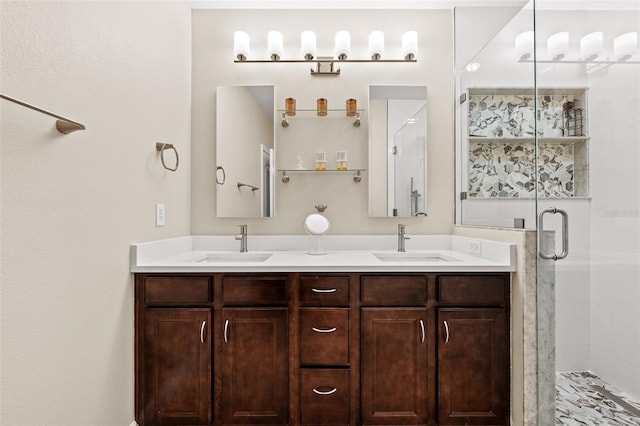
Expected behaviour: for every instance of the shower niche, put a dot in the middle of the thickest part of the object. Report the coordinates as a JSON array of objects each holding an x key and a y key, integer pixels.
[{"x": 502, "y": 125}]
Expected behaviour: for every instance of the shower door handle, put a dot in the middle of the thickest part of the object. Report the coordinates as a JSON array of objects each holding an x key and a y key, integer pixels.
[{"x": 565, "y": 233}]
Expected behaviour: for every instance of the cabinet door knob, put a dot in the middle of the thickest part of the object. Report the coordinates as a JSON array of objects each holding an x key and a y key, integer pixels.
[
  {"x": 204, "y": 323},
  {"x": 319, "y": 392},
  {"x": 226, "y": 328},
  {"x": 321, "y": 290},
  {"x": 422, "y": 331},
  {"x": 446, "y": 331},
  {"x": 323, "y": 330}
]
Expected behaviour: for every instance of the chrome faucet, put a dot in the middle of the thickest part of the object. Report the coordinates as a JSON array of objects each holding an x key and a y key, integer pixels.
[
  {"x": 242, "y": 237},
  {"x": 402, "y": 237}
]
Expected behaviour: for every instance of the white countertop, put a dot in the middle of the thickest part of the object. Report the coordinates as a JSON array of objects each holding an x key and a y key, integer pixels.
[{"x": 345, "y": 253}]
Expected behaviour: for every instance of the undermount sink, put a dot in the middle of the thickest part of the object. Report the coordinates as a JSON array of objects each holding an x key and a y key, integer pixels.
[
  {"x": 235, "y": 257},
  {"x": 411, "y": 257}
]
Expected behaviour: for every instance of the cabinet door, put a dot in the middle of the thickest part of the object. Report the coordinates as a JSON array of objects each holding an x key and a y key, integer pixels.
[
  {"x": 177, "y": 366},
  {"x": 394, "y": 366},
  {"x": 473, "y": 367},
  {"x": 255, "y": 376}
]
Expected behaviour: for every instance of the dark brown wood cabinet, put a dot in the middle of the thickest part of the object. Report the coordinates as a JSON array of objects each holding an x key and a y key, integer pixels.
[
  {"x": 173, "y": 350},
  {"x": 473, "y": 369},
  {"x": 177, "y": 366},
  {"x": 255, "y": 384},
  {"x": 394, "y": 366},
  {"x": 473, "y": 350},
  {"x": 322, "y": 349}
]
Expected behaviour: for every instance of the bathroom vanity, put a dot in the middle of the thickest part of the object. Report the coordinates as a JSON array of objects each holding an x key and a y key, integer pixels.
[{"x": 393, "y": 342}]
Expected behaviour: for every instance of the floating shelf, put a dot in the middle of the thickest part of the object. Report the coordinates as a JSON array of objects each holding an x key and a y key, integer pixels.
[
  {"x": 313, "y": 114},
  {"x": 559, "y": 139},
  {"x": 285, "y": 173}
]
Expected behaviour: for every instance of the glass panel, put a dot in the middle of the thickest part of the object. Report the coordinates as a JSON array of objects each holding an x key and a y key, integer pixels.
[
  {"x": 588, "y": 77},
  {"x": 496, "y": 166}
]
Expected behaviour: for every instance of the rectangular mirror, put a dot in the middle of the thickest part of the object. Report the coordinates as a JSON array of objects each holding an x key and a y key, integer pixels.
[
  {"x": 397, "y": 151},
  {"x": 245, "y": 151}
]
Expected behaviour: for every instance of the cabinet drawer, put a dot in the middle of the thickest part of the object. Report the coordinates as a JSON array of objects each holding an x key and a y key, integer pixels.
[
  {"x": 324, "y": 397},
  {"x": 324, "y": 291},
  {"x": 472, "y": 289},
  {"x": 177, "y": 290},
  {"x": 392, "y": 290},
  {"x": 254, "y": 291},
  {"x": 324, "y": 336}
]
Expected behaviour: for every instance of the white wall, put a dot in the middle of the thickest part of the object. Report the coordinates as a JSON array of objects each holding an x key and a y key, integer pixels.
[
  {"x": 348, "y": 202},
  {"x": 72, "y": 204}
]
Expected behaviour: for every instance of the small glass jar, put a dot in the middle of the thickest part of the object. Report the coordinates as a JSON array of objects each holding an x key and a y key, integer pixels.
[
  {"x": 290, "y": 106},
  {"x": 352, "y": 107},
  {"x": 341, "y": 160},
  {"x": 322, "y": 107},
  {"x": 321, "y": 160}
]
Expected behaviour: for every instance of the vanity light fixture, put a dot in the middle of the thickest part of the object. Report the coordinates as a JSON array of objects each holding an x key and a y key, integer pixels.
[
  {"x": 410, "y": 44},
  {"x": 324, "y": 64},
  {"x": 558, "y": 45},
  {"x": 524, "y": 45},
  {"x": 308, "y": 43},
  {"x": 275, "y": 45},
  {"x": 343, "y": 45},
  {"x": 241, "y": 45},
  {"x": 625, "y": 46},
  {"x": 591, "y": 46},
  {"x": 592, "y": 52},
  {"x": 472, "y": 66},
  {"x": 376, "y": 45}
]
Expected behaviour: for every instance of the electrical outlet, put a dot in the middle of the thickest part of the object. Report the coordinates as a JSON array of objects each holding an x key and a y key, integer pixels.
[
  {"x": 160, "y": 214},
  {"x": 475, "y": 247}
]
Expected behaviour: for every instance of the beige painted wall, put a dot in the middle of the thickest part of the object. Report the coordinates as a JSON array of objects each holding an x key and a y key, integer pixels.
[
  {"x": 348, "y": 202},
  {"x": 72, "y": 204}
]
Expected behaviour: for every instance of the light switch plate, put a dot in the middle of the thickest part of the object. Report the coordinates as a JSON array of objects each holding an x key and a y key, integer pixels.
[{"x": 160, "y": 215}]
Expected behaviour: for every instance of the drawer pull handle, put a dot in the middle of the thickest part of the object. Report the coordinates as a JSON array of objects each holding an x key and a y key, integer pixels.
[
  {"x": 323, "y": 330},
  {"x": 322, "y": 290},
  {"x": 204, "y": 323},
  {"x": 226, "y": 329},
  {"x": 446, "y": 330},
  {"x": 325, "y": 392},
  {"x": 422, "y": 331}
]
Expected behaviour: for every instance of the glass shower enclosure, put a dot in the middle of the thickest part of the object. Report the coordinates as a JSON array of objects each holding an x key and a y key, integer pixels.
[{"x": 548, "y": 139}]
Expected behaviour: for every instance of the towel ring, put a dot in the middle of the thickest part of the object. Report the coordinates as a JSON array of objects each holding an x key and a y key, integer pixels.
[
  {"x": 224, "y": 175},
  {"x": 162, "y": 147}
]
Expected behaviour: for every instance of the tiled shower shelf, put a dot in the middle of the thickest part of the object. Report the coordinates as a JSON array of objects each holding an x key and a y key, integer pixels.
[
  {"x": 508, "y": 155},
  {"x": 560, "y": 139}
]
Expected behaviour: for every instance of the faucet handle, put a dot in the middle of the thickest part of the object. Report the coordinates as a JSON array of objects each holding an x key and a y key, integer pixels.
[{"x": 243, "y": 229}]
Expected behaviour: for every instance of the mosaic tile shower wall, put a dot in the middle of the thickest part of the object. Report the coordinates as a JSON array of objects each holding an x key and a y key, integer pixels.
[
  {"x": 506, "y": 169},
  {"x": 514, "y": 116}
]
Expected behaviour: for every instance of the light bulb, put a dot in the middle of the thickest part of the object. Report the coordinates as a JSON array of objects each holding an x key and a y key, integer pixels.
[
  {"x": 591, "y": 46},
  {"x": 308, "y": 44},
  {"x": 410, "y": 45},
  {"x": 524, "y": 45},
  {"x": 274, "y": 45},
  {"x": 625, "y": 46},
  {"x": 376, "y": 44},
  {"x": 558, "y": 45},
  {"x": 343, "y": 45},
  {"x": 241, "y": 45}
]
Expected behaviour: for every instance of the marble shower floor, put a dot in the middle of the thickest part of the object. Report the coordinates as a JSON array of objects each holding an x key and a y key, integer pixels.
[{"x": 583, "y": 398}]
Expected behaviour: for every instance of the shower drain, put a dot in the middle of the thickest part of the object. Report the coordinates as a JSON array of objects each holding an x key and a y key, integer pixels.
[{"x": 618, "y": 400}]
